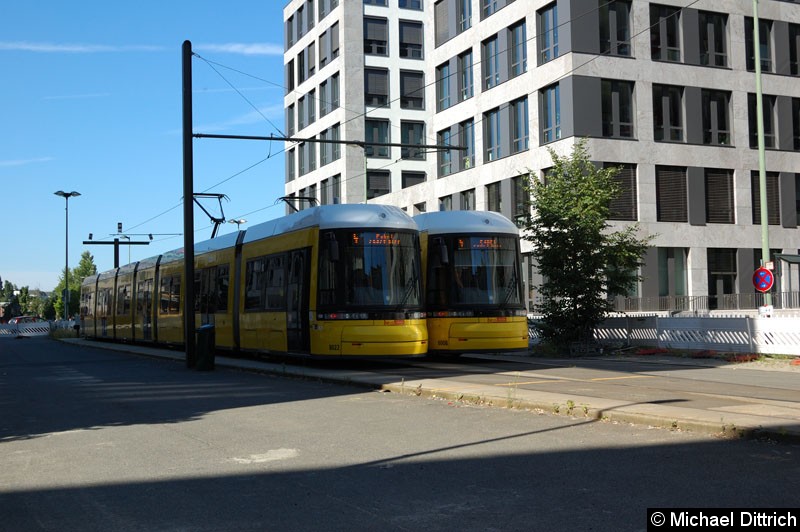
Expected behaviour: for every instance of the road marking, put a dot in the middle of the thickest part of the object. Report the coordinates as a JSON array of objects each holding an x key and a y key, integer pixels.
[{"x": 269, "y": 456}]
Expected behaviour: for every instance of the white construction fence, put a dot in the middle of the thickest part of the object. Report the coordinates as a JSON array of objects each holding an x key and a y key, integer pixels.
[{"x": 775, "y": 335}]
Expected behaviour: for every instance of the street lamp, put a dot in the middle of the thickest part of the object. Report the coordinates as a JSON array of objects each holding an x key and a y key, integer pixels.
[
  {"x": 237, "y": 222},
  {"x": 66, "y": 196}
]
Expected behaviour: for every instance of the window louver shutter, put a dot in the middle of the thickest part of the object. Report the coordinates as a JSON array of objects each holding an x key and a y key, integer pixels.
[
  {"x": 719, "y": 196},
  {"x": 773, "y": 198},
  {"x": 671, "y": 203}
]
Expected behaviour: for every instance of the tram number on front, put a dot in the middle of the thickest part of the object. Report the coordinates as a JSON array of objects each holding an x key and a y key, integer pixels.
[
  {"x": 442, "y": 342},
  {"x": 334, "y": 347}
]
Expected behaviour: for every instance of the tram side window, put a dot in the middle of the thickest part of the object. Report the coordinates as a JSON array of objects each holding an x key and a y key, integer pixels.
[
  {"x": 255, "y": 277},
  {"x": 87, "y": 308},
  {"x": 170, "y": 295},
  {"x": 327, "y": 271},
  {"x": 124, "y": 299},
  {"x": 104, "y": 302},
  {"x": 437, "y": 273},
  {"x": 276, "y": 274},
  {"x": 222, "y": 287}
]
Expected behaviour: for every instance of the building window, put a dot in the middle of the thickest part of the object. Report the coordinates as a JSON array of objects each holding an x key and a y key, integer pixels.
[
  {"x": 719, "y": 196},
  {"x": 376, "y": 36},
  {"x": 519, "y": 49},
  {"x": 376, "y": 86},
  {"x": 493, "y": 200},
  {"x": 713, "y": 39},
  {"x": 716, "y": 127},
  {"x": 446, "y": 203},
  {"x": 765, "y": 44},
  {"x": 617, "y": 98},
  {"x": 665, "y": 33},
  {"x": 324, "y": 192},
  {"x": 443, "y": 138},
  {"x": 491, "y": 135},
  {"x": 324, "y": 98},
  {"x": 289, "y": 32},
  {"x": 768, "y": 108},
  {"x": 443, "y": 86},
  {"x": 290, "y": 119},
  {"x": 302, "y": 159},
  {"x": 312, "y": 155},
  {"x": 671, "y": 194},
  {"x": 301, "y": 113},
  {"x": 667, "y": 113},
  {"x": 419, "y": 208},
  {"x": 375, "y": 3},
  {"x": 336, "y": 187},
  {"x": 491, "y": 63},
  {"x": 488, "y": 7},
  {"x": 410, "y": 4},
  {"x": 465, "y": 79},
  {"x": 412, "y": 133},
  {"x": 412, "y": 90},
  {"x": 334, "y": 94},
  {"x": 623, "y": 206},
  {"x": 520, "y": 200},
  {"x": 466, "y": 138},
  {"x": 464, "y": 14},
  {"x": 796, "y": 122},
  {"x": 376, "y": 131},
  {"x": 519, "y": 125},
  {"x": 334, "y": 47},
  {"x": 615, "y": 28},
  {"x": 379, "y": 182},
  {"x": 409, "y": 179},
  {"x": 773, "y": 198},
  {"x": 721, "y": 264},
  {"x": 290, "y": 171},
  {"x": 468, "y": 200},
  {"x": 548, "y": 33},
  {"x": 311, "y": 101},
  {"x": 324, "y": 147},
  {"x": 794, "y": 49},
  {"x": 337, "y": 152},
  {"x": 550, "y": 114},
  {"x": 411, "y": 39}
]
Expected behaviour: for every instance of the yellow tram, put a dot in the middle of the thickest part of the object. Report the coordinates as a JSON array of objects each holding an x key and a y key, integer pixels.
[
  {"x": 473, "y": 287},
  {"x": 329, "y": 281}
]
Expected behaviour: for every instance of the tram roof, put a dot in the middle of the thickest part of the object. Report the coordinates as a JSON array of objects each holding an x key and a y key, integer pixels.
[
  {"x": 334, "y": 217},
  {"x": 441, "y": 222}
]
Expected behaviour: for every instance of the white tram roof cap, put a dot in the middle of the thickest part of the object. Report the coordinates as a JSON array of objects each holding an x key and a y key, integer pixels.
[
  {"x": 339, "y": 216},
  {"x": 442, "y": 222}
]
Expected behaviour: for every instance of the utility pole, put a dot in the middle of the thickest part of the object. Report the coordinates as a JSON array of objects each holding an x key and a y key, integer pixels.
[
  {"x": 762, "y": 171},
  {"x": 188, "y": 209}
]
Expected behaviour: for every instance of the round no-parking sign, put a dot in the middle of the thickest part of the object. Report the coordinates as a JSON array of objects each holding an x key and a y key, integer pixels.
[{"x": 763, "y": 280}]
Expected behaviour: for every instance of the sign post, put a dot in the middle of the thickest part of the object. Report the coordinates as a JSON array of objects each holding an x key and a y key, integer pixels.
[{"x": 763, "y": 279}]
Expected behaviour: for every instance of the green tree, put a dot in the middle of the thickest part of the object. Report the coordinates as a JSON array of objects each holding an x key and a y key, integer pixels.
[
  {"x": 584, "y": 264},
  {"x": 85, "y": 268}
]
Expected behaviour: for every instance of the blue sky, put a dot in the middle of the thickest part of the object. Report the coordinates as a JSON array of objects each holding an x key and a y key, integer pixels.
[{"x": 90, "y": 94}]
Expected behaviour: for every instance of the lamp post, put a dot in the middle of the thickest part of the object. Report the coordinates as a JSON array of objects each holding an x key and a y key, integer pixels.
[
  {"x": 237, "y": 222},
  {"x": 66, "y": 196}
]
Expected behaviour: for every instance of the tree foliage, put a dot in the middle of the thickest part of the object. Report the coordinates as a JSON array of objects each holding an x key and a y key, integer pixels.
[
  {"x": 584, "y": 264},
  {"x": 85, "y": 268}
]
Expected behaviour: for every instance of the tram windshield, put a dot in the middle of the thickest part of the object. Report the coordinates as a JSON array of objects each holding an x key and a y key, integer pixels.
[
  {"x": 474, "y": 270},
  {"x": 369, "y": 269}
]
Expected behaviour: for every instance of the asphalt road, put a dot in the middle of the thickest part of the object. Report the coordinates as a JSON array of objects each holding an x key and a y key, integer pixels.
[{"x": 92, "y": 439}]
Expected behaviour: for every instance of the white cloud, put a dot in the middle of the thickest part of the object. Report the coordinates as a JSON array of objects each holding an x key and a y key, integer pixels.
[
  {"x": 23, "y": 162},
  {"x": 46, "y": 47},
  {"x": 243, "y": 48}
]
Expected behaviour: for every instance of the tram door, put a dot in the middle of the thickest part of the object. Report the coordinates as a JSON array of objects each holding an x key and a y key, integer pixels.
[
  {"x": 144, "y": 308},
  {"x": 297, "y": 336}
]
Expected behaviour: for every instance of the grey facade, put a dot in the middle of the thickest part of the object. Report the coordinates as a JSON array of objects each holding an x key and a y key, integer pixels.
[{"x": 666, "y": 91}]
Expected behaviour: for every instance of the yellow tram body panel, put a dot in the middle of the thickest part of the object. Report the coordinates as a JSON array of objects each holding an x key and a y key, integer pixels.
[
  {"x": 478, "y": 334},
  {"x": 263, "y": 331},
  {"x": 407, "y": 337}
]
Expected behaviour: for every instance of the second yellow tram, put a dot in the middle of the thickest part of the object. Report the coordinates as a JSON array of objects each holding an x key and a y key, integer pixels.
[{"x": 473, "y": 287}]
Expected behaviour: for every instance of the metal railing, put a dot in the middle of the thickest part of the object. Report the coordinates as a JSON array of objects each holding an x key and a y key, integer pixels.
[{"x": 703, "y": 304}]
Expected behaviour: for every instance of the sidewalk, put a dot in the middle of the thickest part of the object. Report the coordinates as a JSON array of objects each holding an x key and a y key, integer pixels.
[{"x": 759, "y": 399}]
